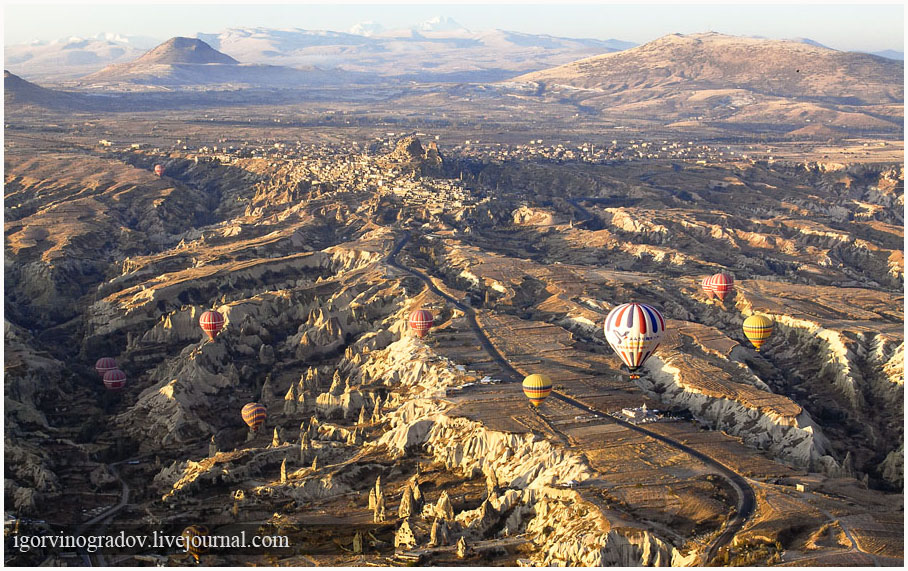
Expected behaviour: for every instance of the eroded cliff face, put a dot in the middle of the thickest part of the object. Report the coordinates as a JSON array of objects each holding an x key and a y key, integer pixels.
[
  {"x": 860, "y": 372},
  {"x": 566, "y": 529},
  {"x": 788, "y": 434},
  {"x": 35, "y": 387}
]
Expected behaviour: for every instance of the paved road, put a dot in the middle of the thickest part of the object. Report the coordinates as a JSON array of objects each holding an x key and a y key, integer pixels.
[
  {"x": 104, "y": 517},
  {"x": 746, "y": 497}
]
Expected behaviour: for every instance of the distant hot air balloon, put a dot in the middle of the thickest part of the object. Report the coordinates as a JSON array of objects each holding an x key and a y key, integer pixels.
[
  {"x": 721, "y": 284},
  {"x": 536, "y": 388},
  {"x": 105, "y": 364},
  {"x": 634, "y": 331},
  {"x": 114, "y": 380},
  {"x": 757, "y": 328},
  {"x": 707, "y": 288},
  {"x": 212, "y": 322},
  {"x": 194, "y": 540},
  {"x": 420, "y": 322},
  {"x": 254, "y": 415},
  {"x": 159, "y": 170}
]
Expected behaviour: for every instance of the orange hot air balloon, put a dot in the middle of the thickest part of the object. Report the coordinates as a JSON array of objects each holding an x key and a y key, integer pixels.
[
  {"x": 721, "y": 285},
  {"x": 211, "y": 322},
  {"x": 105, "y": 364},
  {"x": 420, "y": 322},
  {"x": 254, "y": 415},
  {"x": 159, "y": 170},
  {"x": 114, "y": 380}
]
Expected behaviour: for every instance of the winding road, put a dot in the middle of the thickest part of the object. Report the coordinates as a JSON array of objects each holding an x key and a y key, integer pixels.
[
  {"x": 105, "y": 516},
  {"x": 746, "y": 497}
]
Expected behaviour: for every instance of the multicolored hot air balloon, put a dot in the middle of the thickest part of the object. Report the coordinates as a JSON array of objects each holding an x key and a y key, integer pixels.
[
  {"x": 634, "y": 331},
  {"x": 721, "y": 284},
  {"x": 254, "y": 414},
  {"x": 114, "y": 380},
  {"x": 757, "y": 328},
  {"x": 194, "y": 540},
  {"x": 159, "y": 170},
  {"x": 105, "y": 364},
  {"x": 420, "y": 322},
  {"x": 211, "y": 322},
  {"x": 536, "y": 388},
  {"x": 707, "y": 288}
]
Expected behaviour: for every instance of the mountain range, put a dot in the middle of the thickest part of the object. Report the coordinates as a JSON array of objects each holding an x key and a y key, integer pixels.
[
  {"x": 698, "y": 80},
  {"x": 439, "y": 49}
]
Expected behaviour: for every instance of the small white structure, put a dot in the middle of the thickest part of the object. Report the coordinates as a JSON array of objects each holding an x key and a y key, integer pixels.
[{"x": 641, "y": 414}]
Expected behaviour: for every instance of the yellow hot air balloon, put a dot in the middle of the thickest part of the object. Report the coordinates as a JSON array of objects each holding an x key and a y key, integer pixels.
[
  {"x": 757, "y": 328},
  {"x": 536, "y": 388},
  {"x": 194, "y": 541}
]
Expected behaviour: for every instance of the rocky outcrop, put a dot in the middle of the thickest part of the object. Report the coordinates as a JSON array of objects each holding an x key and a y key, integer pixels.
[
  {"x": 523, "y": 464},
  {"x": 166, "y": 413},
  {"x": 792, "y": 437},
  {"x": 568, "y": 531}
]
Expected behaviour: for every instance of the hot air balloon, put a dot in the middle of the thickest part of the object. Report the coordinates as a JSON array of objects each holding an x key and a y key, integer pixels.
[
  {"x": 536, "y": 388},
  {"x": 420, "y": 322},
  {"x": 194, "y": 540},
  {"x": 159, "y": 170},
  {"x": 105, "y": 364},
  {"x": 212, "y": 322},
  {"x": 707, "y": 288},
  {"x": 634, "y": 331},
  {"x": 721, "y": 284},
  {"x": 114, "y": 380},
  {"x": 254, "y": 415},
  {"x": 757, "y": 328}
]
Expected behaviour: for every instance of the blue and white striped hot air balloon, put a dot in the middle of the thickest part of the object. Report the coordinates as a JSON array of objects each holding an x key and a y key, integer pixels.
[{"x": 634, "y": 331}]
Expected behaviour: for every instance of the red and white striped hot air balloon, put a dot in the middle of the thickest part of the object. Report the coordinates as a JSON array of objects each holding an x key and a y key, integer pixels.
[
  {"x": 634, "y": 331},
  {"x": 721, "y": 285},
  {"x": 707, "y": 288},
  {"x": 420, "y": 322},
  {"x": 105, "y": 364},
  {"x": 211, "y": 322},
  {"x": 114, "y": 380},
  {"x": 159, "y": 170}
]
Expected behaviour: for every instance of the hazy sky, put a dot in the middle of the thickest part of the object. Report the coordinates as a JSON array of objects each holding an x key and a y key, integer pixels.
[{"x": 843, "y": 26}]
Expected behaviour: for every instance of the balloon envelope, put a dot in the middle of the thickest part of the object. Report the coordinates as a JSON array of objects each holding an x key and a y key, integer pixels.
[
  {"x": 757, "y": 329},
  {"x": 721, "y": 284},
  {"x": 536, "y": 388},
  {"x": 159, "y": 170},
  {"x": 114, "y": 380},
  {"x": 254, "y": 415},
  {"x": 420, "y": 322},
  {"x": 634, "y": 331},
  {"x": 194, "y": 546},
  {"x": 707, "y": 288},
  {"x": 211, "y": 322},
  {"x": 105, "y": 364}
]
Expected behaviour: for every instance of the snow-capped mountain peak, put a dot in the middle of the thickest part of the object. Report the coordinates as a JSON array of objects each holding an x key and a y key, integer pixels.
[
  {"x": 367, "y": 28},
  {"x": 440, "y": 24}
]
